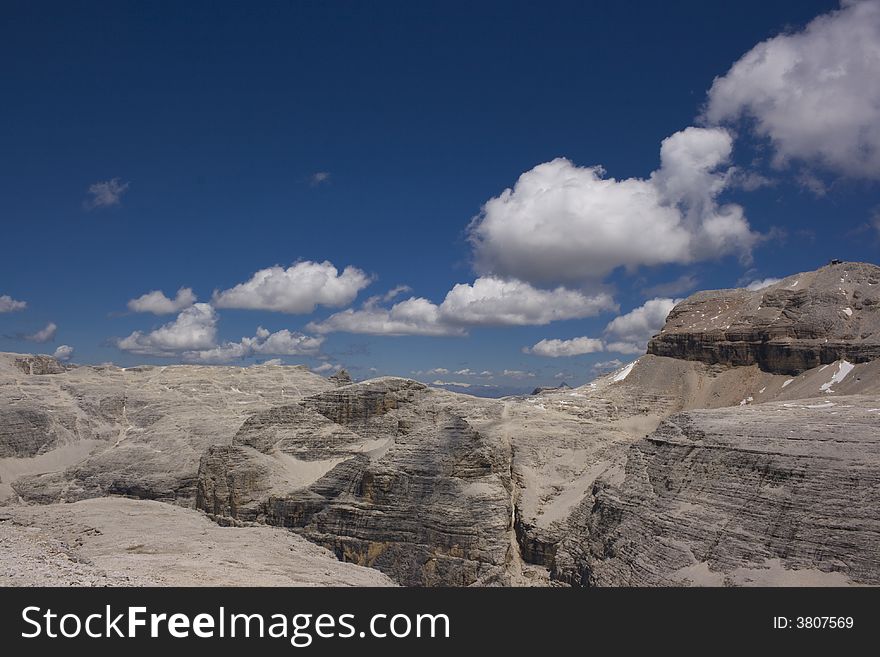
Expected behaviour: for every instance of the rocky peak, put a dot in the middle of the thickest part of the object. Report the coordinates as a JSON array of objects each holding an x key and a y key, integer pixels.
[
  {"x": 341, "y": 378},
  {"x": 803, "y": 321},
  {"x": 40, "y": 364}
]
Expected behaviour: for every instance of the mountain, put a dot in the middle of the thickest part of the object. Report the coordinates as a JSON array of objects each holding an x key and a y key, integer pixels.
[{"x": 741, "y": 449}]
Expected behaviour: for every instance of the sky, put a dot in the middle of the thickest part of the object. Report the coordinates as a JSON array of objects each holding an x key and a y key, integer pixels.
[{"x": 493, "y": 195}]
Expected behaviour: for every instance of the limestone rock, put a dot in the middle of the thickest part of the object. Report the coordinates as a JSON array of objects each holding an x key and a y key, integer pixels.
[
  {"x": 119, "y": 542},
  {"x": 782, "y": 493},
  {"x": 804, "y": 321},
  {"x": 384, "y": 473},
  {"x": 93, "y": 431}
]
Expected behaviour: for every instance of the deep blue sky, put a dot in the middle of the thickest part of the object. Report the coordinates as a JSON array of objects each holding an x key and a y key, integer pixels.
[{"x": 218, "y": 113}]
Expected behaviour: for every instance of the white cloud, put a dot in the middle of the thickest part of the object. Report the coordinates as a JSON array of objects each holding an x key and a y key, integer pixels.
[
  {"x": 458, "y": 384},
  {"x": 264, "y": 343},
  {"x": 494, "y": 301},
  {"x": 63, "y": 352},
  {"x": 10, "y": 305},
  {"x": 630, "y": 333},
  {"x": 46, "y": 334},
  {"x": 607, "y": 365},
  {"x": 157, "y": 303},
  {"x": 573, "y": 347},
  {"x": 319, "y": 178},
  {"x": 273, "y": 361},
  {"x": 194, "y": 328},
  {"x": 488, "y": 301},
  {"x": 105, "y": 194},
  {"x": 626, "y": 334},
  {"x": 325, "y": 367},
  {"x": 465, "y": 372},
  {"x": 518, "y": 374},
  {"x": 759, "y": 285},
  {"x": 297, "y": 289},
  {"x": 814, "y": 93},
  {"x": 561, "y": 223},
  {"x": 414, "y": 316}
]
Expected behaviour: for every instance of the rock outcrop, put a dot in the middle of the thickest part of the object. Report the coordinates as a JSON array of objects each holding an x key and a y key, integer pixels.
[
  {"x": 801, "y": 322},
  {"x": 782, "y": 493},
  {"x": 385, "y": 473},
  {"x": 120, "y": 542},
  {"x": 92, "y": 431}
]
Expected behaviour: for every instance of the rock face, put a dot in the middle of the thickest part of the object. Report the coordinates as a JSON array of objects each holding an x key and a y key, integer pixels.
[
  {"x": 782, "y": 493},
  {"x": 92, "y": 431},
  {"x": 119, "y": 542},
  {"x": 386, "y": 473},
  {"x": 804, "y": 321}
]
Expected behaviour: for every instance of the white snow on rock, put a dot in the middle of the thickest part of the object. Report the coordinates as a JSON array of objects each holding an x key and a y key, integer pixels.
[
  {"x": 844, "y": 368},
  {"x": 847, "y": 312},
  {"x": 785, "y": 383},
  {"x": 622, "y": 374}
]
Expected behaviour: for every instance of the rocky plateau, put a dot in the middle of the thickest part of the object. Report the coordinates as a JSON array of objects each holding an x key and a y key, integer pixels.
[{"x": 742, "y": 449}]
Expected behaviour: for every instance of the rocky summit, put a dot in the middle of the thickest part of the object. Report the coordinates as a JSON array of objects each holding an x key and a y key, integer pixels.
[
  {"x": 801, "y": 322},
  {"x": 742, "y": 449}
]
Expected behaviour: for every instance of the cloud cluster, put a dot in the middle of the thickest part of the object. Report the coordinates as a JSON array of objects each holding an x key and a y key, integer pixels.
[
  {"x": 488, "y": 301},
  {"x": 264, "y": 343},
  {"x": 63, "y": 353},
  {"x": 106, "y": 194},
  {"x": 296, "y": 290},
  {"x": 193, "y": 337},
  {"x": 561, "y": 223},
  {"x": 45, "y": 334},
  {"x": 10, "y": 305},
  {"x": 157, "y": 303},
  {"x": 574, "y": 347},
  {"x": 626, "y": 334},
  {"x": 815, "y": 94},
  {"x": 194, "y": 328}
]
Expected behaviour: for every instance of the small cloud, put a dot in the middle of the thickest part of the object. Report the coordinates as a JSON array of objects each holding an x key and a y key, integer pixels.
[
  {"x": 518, "y": 374},
  {"x": 46, "y": 334},
  {"x": 457, "y": 384},
  {"x": 326, "y": 367},
  {"x": 63, "y": 352},
  {"x": 574, "y": 347},
  {"x": 297, "y": 289},
  {"x": 10, "y": 305},
  {"x": 626, "y": 334},
  {"x": 761, "y": 284},
  {"x": 749, "y": 181},
  {"x": 157, "y": 303},
  {"x": 319, "y": 178},
  {"x": 812, "y": 183},
  {"x": 607, "y": 365},
  {"x": 395, "y": 292},
  {"x": 106, "y": 194}
]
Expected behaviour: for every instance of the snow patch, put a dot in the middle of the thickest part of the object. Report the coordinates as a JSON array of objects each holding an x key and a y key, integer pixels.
[
  {"x": 785, "y": 383},
  {"x": 622, "y": 374},
  {"x": 844, "y": 368},
  {"x": 847, "y": 312}
]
